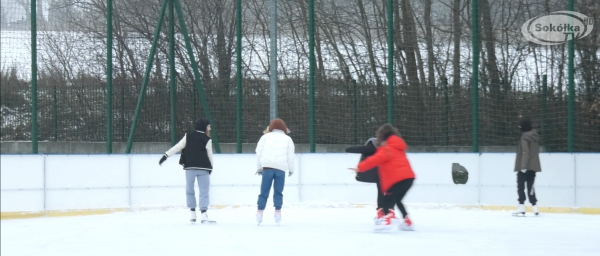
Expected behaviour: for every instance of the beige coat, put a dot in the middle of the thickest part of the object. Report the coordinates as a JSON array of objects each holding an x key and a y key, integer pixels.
[{"x": 528, "y": 152}]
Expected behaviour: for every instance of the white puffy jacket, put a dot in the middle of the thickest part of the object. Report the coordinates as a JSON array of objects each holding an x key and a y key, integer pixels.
[{"x": 276, "y": 150}]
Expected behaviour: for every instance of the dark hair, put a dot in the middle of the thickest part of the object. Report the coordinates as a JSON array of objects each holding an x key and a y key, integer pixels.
[{"x": 385, "y": 131}]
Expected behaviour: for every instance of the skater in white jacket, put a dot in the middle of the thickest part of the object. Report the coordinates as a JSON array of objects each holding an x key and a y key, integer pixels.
[{"x": 275, "y": 157}]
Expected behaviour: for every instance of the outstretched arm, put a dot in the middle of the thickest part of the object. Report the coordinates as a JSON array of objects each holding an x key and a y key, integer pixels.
[{"x": 177, "y": 148}]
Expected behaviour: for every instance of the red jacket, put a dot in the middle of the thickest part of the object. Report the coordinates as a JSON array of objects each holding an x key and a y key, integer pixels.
[{"x": 392, "y": 162}]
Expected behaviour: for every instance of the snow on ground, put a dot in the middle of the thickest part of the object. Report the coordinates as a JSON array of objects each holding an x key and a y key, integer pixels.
[{"x": 305, "y": 230}]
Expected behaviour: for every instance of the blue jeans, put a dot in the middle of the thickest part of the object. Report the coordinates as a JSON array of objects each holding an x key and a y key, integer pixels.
[{"x": 268, "y": 177}]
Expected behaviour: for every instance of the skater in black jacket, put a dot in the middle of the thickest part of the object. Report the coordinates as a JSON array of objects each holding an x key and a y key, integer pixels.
[
  {"x": 197, "y": 161},
  {"x": 370, "y": 176}
]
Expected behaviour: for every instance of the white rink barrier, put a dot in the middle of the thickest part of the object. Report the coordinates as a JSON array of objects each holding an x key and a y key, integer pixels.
[{"x": 42, "y": 183}]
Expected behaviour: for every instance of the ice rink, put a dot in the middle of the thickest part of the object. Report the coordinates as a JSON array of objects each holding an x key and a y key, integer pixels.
[{"x": 305, "y": 230}]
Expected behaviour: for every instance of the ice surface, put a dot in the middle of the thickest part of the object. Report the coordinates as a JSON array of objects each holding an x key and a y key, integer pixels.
[{"x": 304, "y": 230}]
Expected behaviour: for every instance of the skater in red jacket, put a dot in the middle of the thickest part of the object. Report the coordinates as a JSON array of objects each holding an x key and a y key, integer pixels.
[{"x": 395, "y": 173}]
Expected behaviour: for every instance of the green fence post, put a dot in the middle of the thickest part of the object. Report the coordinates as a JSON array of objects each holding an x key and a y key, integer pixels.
[
  {"x": 122, "y": 112},
  {"x": 173, "y": 82},
  {"x": 55, "y": 114},
  {"x": 197, "y": 78},
  {"x": 238, "y": 52},
  {"x": 355, "y": 103},
  {"x": 475, "y": 85},
  {"x": 446, "y": 111},
  {"x": 571, "y": 132},
  {"x": 34, "y": 91},
  {"x": 109, "y": 76},
  {"x": 140, "y": 102},
  {"x": 390, "y": 41},
  {"x": 545, "y": 110},
  {"x": 311, "y": 76}
]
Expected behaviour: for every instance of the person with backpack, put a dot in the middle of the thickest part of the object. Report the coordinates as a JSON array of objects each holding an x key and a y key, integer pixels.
[{"x": 370, "y": 176}]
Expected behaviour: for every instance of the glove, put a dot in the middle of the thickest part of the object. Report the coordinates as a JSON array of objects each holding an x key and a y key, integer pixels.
[
  {"x": 523, "y": 170},
  {"x": 162, "y": 159},
  {"x": 290, "y": 174},
  {"x": 259, "y": 172}
]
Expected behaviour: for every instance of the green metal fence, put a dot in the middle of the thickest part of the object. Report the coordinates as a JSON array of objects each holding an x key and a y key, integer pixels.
[{"x": 446, "y": 72}]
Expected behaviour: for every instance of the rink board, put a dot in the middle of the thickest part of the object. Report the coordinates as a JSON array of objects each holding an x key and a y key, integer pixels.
[{"x": 48, "y": 183}]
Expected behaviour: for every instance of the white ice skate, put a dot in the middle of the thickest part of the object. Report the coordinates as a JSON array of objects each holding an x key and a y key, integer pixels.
[
  {"x": 535, "y": 210},
  {"x": 407, "y": 225},
  {"x": 379, "y": 218},
  {"x": 259, "y": 215},
  {"x": 205, "y": 220},
  {"x": 520, "y": 212},
  {"x": 193, "y": 217},
  {"x": 389, "y": 223},
  {"x": 277, "y": 216}
]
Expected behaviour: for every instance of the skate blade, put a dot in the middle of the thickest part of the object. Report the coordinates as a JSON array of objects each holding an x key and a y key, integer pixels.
[
  {"x": 520, "y": 214},
  {"x": 192, "y": 221},
  {"x": 383, "y": 229},
  {"x": 208, "y": 222},
  {"x": 406, "y": 228}
]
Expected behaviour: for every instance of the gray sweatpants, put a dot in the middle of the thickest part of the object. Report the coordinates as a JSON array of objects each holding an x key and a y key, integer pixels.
[{"x": 203, "y": 184}]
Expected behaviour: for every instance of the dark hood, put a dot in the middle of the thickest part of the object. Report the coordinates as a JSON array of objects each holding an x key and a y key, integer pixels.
[
  {"x": 531, "y": 136},
  {"x": 201, "y": 124},
  {"x": 525, "y": 125},
  {"x": 372, "y": 140}
]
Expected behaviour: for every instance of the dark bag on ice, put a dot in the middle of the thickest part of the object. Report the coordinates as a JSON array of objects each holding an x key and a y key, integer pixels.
[{"x": 460, "y": 175}]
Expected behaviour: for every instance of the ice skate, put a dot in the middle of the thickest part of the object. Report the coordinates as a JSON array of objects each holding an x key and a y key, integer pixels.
[
  {"x": 277, "y": 216},
  {"x": 205, "y": 220},
  {"x": 259, "y": 215},
  {"x": 388, "y": 222},
  {"x": 379, "y": 217},
  {"x": 520, "y": 212},
  {"x": 193, "y": 217},
  {"x": 535, "y": 210},
  {"x": 407, "y": 225}
]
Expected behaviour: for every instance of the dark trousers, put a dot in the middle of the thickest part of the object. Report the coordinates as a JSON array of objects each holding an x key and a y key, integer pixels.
[
  {"x": 395, "y": 195},
  {"x": 380, "y": 197},
  {"x": 529, "y": 178}
]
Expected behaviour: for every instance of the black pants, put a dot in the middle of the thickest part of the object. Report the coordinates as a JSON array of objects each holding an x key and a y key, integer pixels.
[
  {"x": 522, "y": 178},
  {"x": 395, "y": 195},
  {"x": 380, "y": 197}
]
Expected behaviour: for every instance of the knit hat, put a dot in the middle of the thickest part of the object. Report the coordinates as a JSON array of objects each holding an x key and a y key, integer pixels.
[
  {"x": 279, "y": 125},
  {"x": 525, "y": 125},
  {"x": 201, "y": 124}
]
